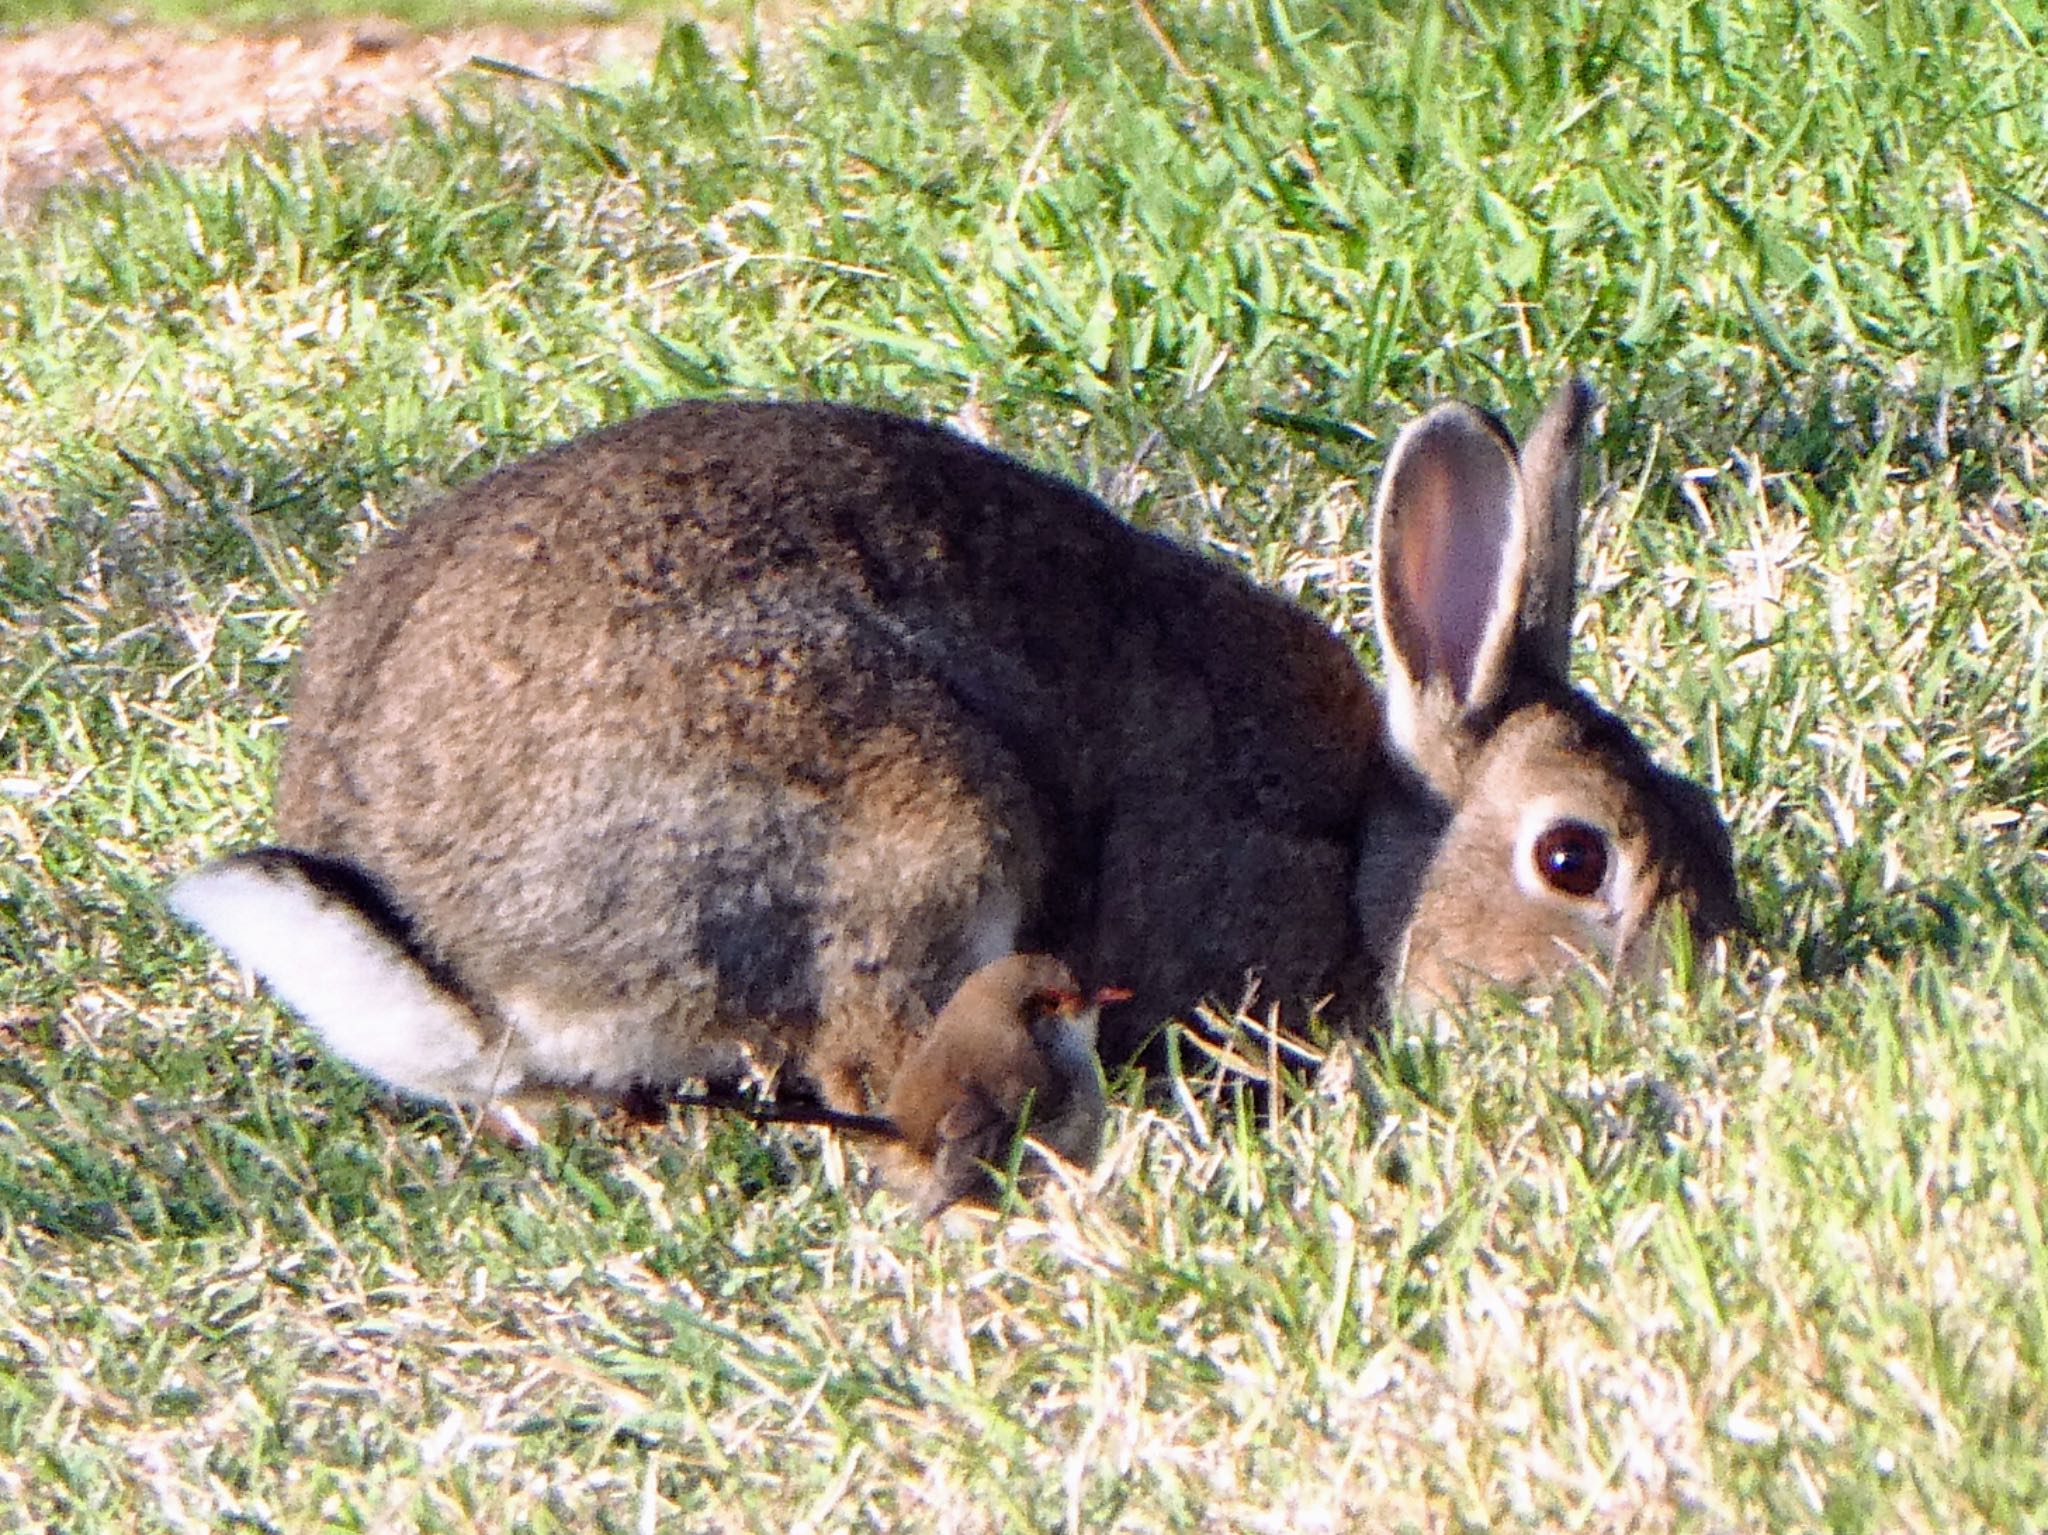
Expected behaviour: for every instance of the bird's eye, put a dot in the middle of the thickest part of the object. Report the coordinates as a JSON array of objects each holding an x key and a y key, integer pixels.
[
  {"x": 1571, "y": 858},
  {"x": 1047, "y": 1003}
]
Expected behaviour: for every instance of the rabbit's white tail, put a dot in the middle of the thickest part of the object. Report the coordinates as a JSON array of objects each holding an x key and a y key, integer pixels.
[{"x": 321, "y": 939}]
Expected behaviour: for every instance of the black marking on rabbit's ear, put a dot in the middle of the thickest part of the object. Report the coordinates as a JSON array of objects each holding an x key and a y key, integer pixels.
[
  {"x": 1550, "y": 487},
  {"x": 1452, "y": 543}
]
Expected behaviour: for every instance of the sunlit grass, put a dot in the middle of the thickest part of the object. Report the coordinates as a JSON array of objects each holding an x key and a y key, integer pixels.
[{"x": 1769, "y": 1256}]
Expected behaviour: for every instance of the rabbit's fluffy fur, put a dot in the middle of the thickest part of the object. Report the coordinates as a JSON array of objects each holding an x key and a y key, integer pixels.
[{"x": 739, "y": 735}]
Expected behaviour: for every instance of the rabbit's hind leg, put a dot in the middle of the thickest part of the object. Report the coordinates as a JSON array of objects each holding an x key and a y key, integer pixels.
[
  {"x": 918, "y": 897},
  {"x": 880, "y": 998}
]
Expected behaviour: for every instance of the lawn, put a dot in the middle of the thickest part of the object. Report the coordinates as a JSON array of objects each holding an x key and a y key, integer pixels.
[{"x": 1767, "y": 1254}]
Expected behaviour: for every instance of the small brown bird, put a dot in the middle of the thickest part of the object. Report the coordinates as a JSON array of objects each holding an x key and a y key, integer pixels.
[{"x": 1014, "y": 1049}]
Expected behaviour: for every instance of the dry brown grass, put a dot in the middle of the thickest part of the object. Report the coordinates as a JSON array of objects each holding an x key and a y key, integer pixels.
[{"x": 83, "y": 98}]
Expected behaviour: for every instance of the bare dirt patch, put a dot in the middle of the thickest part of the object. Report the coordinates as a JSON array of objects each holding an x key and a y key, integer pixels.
[{"x": 69, "y": 96}]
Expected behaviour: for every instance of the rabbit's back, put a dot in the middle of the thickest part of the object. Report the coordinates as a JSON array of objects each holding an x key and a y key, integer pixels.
[{"x": 714, "y": 715}]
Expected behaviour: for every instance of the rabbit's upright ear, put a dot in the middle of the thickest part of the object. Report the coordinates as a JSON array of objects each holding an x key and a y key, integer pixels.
[
  {"x": 1452, "y": 539},
  {"x": 1550, "y": 489}
]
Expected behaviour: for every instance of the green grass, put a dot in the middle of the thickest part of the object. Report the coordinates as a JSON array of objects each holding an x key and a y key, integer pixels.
[{"x": 1770, "y": 1256}]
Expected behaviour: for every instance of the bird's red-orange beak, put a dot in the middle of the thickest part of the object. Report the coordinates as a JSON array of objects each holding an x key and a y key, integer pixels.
[{"x": 1076, "y": 1002}]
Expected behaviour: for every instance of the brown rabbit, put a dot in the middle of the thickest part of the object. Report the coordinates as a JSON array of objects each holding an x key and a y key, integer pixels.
[{"x": 741, "y": 734}]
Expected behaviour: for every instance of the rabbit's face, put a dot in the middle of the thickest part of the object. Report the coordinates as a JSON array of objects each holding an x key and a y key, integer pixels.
[
  {"x": 1545, "y": 838},
  {"x": 1567, "y": 847}
]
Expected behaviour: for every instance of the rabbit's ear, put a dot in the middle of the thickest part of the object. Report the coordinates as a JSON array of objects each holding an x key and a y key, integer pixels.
[
  {"x": 1452, "y": 541},
  {"x": 1550, "y": 488}
]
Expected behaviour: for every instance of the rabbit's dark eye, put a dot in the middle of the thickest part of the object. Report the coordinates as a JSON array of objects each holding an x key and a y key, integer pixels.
[{"x": 1571, "y": 858}]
